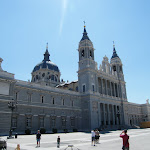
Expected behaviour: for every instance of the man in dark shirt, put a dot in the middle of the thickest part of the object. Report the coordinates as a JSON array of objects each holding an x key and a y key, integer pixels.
[
  {"x": 125, "y": 138},
  {"x": 38, "y": 138},
  {"x": 58, "y": 142}
]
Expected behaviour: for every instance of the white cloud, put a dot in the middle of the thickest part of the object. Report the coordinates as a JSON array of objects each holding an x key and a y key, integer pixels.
[{"x": 63, "y": 13}]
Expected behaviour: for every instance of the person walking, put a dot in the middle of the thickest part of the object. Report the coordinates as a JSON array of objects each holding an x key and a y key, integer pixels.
[
  {"x": 58, "y": 142},
  {"x": 18, "y": 147},
  {"x": 38, "y": 138},
  {"x": 93, "y": 137},
  {"x": 125, "y": 138},
  {"x": 97, "y": 135}
]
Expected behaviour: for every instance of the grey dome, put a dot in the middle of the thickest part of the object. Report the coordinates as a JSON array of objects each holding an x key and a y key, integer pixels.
[{"x": 46, "y": 65}]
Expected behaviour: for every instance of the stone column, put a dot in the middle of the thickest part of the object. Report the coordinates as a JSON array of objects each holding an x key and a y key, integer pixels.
[
  {"x": 101, "y": 86},
  {"x": 113, "y": 115},
  {"x": 104, "y": 114},
  {"x": 106, "y": 87},
  {"x": 99, "y": 115},
  {"x": 120, "y": 111},
  {"x": 108, "y": 114},
  {"x": 118, "y": 90},
  {"x": 117, "y": 115},
  {"x": 114, "y": 90},
  {"x": 110, "y": 89}
]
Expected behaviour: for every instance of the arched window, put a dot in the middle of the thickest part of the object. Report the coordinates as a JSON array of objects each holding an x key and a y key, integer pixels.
[
  {"x": 114, "y": 68},
  {"x": 52, "y": 77},
  {"x": 37, "y": 77},
  {"x": 91, "y": 53},
  {"x": 82, "y": 53},
  {"x": 42, "y": 99},
  {"x": 77, "y": 88},
  {"x": 16, "y": 96},
  {"x": 120, "y": 68},
  {"x": 72, "y": 103},
  {"x": 63, "y": 102},
  {"x": 53, "y": 101},
  {"x": 55, "y": 79},
  {"x": 43, "y": 75},
  {"x": 83, "y": 88}
]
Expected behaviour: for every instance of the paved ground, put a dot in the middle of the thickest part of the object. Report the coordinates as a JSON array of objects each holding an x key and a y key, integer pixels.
[{"x": 139, "y": 140}]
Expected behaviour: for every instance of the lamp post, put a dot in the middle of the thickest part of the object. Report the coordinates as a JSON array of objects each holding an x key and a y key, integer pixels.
[{"x": 12, "y": 106}]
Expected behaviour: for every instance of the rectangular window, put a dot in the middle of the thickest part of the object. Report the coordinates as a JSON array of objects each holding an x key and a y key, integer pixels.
[
  {"x": 29, "y": 98},
  {"x": 63, "y": 102},
  {"x": 72, "y": 103},
  {"x": 72, "y": 122},
  {"x": 53, "y": 101},
  {"x": 83, "y": 88},
  {"x": 42, "y": 99},
  {"x": 93, "y": 88},
  {"x": 53, "y": 122},
  {"x": 41, "y": 122},
  {"x": 63, "y": 122},
  {"x": 28, "y": 122},
  {"x": 16, "y": 96}
]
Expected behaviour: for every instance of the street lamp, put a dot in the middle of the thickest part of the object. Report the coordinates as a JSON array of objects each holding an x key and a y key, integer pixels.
[{"x": 12, "y": 106}]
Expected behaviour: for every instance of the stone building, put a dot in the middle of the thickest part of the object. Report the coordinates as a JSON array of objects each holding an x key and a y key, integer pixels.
[{"x": 97, "y": 100}]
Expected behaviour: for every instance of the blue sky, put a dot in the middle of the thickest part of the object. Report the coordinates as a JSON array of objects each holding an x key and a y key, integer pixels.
[{"x": 27, "y": 25}]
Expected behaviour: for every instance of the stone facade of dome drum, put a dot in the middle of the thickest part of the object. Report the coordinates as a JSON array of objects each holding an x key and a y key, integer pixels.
[{"x": 46, "y": 73}]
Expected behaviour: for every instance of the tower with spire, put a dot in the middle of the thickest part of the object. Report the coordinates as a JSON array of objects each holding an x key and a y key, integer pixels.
[
  {"x": 117, "y": 69},
  {"x": 87, "y": 65}
]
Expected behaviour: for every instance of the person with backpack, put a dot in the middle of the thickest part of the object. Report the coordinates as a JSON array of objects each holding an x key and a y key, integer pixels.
[{"x": 125, "y": 139}]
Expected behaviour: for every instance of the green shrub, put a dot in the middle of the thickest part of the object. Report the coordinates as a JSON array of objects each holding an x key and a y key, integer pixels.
[
  {"x": 43, "y": 130},
  {"x": 65, "y": 130},
  {"x": 54, "y": 130},
  {"x": 28, "y": 131},
  {"x": 75, "y": 130}
]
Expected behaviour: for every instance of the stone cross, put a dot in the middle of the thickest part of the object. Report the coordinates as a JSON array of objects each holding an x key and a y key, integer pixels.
[
  {"x": 0, "y": 64},
  {"x": 147, "y": 101}
]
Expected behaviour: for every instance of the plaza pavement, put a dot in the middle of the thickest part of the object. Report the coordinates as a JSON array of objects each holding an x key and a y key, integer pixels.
[{"x": 139, "y": 140}]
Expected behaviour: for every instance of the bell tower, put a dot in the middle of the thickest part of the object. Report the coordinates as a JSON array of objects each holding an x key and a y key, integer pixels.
[
  {"x": 117, "y": 70},
  {"x": 87, "y": 65}
]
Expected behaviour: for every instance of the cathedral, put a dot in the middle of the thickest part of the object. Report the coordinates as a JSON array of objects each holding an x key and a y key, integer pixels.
[{"x": 98, "y": 99}]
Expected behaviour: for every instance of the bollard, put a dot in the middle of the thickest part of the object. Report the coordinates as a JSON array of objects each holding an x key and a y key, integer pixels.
[{"x": 16, "y": 136}]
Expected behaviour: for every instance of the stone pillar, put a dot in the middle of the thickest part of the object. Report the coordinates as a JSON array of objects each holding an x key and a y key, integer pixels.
[
  {"x": 101, "y": 86},
  {"x": 99, "y": 115},
  {"x": 47, "y": 123},
  {"x": 110, "y": 89},
  {"x": 118, "y": 90},
  {"x": 104, "y": 114},
  {"x": 117, "y": 115},
  {"x": 108, "y": 114},
  {"x": 120, "y": 117},
  {"x": 106, "y": 87},
  {"x": 113, "y": 115},
  {"x": 114, "y": 90}
]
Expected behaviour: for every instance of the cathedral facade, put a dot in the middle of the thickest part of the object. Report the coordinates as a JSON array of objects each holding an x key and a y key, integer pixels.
[{"x": 98, "y": 99}]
